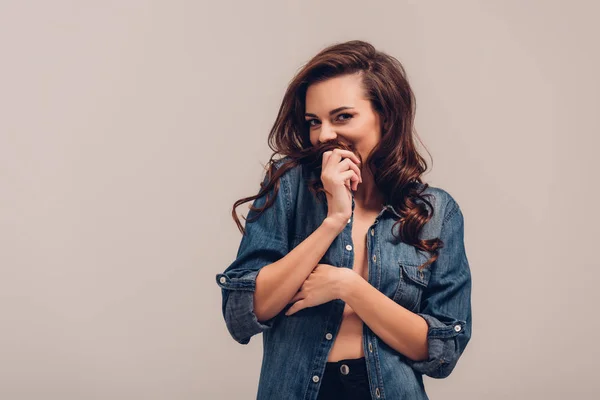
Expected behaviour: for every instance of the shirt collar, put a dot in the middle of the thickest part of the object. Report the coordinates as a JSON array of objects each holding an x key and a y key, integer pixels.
[{"x": 391, "y": 209}]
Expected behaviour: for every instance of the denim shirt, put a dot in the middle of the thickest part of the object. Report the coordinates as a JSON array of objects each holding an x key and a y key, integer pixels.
[{"x": 296, "y": 347}]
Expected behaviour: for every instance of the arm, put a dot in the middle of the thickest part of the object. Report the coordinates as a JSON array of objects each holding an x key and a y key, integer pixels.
[
  {"x": 406, "y": 332},
  {"x": 278, "y": 282},
  {"x": 433, "y": 339},
  {"x": 265, "y": 274}
]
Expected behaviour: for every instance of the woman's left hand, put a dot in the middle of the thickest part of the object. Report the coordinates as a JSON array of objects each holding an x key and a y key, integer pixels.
[{"x": 322, "y": 285}]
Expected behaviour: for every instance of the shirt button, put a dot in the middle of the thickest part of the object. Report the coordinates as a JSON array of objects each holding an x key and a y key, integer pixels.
[
  {"x": 222, "y": 279},
  {"x": 345, "y": 369},
  {"x": 348, "y": 247},
  {"x": 370, "y": 347},
  {"x": 457, "y": 328},
  {"x": 329, "y": 336},
  {"x": 372, "y": 232},
  {"x": 377, "y": 393},
  {"x": 349, "y": 219},
  {"x": 315, "y": 379},
  {"x": 374, "y": 258}
]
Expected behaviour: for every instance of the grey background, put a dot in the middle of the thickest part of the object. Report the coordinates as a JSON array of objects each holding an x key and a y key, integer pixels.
[{"x": 128, "y": 129}]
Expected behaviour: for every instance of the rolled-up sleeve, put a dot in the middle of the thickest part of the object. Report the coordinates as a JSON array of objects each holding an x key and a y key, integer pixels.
[
  {"x": 446, "y": 302},
  {"x": 265, "y": 241}
]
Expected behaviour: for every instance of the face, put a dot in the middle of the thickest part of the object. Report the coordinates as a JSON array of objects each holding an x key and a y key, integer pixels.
[{"x": 337, "y": 109}]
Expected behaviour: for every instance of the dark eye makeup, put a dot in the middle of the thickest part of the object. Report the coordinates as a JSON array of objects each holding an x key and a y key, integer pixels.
[{"x": 309, "y": 121}]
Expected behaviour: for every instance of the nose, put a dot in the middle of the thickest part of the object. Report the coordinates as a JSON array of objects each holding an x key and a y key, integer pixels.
[{"x": 327, "y": 133}]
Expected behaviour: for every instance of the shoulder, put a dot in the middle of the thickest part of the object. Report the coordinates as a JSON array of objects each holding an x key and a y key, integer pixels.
[
  {"x": 294, "y": 176},
  {"x": 291, "y": 173},
  {"x": 290, "y": 179},
  {"x": 444, "y": 206},
  {"x": 443, "y": 201}
]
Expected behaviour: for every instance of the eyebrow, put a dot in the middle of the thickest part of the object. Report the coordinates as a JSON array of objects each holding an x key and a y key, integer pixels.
[{"x": 330, "y": 112}]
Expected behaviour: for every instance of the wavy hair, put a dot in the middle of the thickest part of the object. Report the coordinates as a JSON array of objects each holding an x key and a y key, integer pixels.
[{"x": 395, "y": 163}]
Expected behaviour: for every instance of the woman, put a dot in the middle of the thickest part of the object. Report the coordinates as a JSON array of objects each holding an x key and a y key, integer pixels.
[{"x": 353, "y": 269}]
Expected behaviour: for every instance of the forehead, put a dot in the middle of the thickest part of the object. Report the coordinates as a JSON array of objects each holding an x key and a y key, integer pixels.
[{"x": 334, "y": 92}]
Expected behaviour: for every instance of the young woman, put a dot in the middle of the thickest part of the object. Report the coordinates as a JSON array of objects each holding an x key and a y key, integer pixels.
[{"x": 351, "y": 267}]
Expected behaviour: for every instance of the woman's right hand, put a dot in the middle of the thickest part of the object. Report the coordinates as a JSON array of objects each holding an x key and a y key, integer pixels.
[{"x": 339, "y": 177}]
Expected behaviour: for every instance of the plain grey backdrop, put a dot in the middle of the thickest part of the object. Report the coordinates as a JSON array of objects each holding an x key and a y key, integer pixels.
[{"x": 128, "y": 129}]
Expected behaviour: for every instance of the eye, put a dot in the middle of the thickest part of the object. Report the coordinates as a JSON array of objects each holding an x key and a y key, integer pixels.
[
  {"x": 310, "y": 121},
  {"x": 349, "y": 115}
]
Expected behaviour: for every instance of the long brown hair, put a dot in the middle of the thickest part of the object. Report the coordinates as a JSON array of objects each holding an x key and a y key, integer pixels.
[{"x": 395, "y": 163}]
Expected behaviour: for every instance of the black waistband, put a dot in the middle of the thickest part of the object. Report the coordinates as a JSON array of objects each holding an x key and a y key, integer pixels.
[{"x": 351, "y": 362}]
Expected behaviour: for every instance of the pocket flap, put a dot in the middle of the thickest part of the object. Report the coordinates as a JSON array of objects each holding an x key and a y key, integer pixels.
[{"x": 412, "y": 272}]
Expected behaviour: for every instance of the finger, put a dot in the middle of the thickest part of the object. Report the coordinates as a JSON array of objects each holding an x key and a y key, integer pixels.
[
  {"x": 293, "y": 309},
  {"x": 350, "y": 175},
  {"x": 339, "y": 153},
  {"x": 325, "y": 159},
  {"x": 334, "y": 157},
  {"x": 347, "y": 154},
  {"x": 347, "y": 163},
  {"x": 349, "y": 184},
  {"x": 296, "y": 297}
]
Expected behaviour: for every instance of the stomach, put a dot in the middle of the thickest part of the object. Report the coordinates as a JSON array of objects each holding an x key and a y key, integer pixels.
[{"x": 349, "y": 340}]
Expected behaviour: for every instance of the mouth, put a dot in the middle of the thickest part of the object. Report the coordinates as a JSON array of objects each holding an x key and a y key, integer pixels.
[{"x": 313, "y": 155}]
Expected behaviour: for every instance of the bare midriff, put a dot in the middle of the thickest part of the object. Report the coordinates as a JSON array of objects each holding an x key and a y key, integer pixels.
[{"x": 348, "y": 342}]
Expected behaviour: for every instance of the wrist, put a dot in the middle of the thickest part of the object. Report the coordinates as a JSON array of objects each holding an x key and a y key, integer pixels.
[
  {"x": 334, "y": 223},
  {"x": 346, "y": 281}
]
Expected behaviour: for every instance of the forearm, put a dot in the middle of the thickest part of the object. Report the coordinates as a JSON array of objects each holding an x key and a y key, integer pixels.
[
  {"x": 401, "y": 329},
  {"x": 278, "y": 282}
]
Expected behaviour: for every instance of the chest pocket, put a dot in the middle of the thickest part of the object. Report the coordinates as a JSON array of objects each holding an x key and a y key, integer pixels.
[{"x": 411, "y": 285}]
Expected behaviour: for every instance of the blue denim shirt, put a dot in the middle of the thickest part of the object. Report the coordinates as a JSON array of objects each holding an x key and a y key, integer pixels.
[{"x": 296, "y": 347}]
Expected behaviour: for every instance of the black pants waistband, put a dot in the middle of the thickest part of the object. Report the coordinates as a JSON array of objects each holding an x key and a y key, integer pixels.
[
  {"x": 356, "y": 365},
  {"x": 345, "y": 379}
]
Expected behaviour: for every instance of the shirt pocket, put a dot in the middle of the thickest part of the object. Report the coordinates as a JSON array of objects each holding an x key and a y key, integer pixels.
[{"x": 411, "y": 284}]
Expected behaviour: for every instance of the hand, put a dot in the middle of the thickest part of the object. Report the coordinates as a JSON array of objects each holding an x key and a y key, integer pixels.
[
  {"x": 338, "y": 179},
  {"x": 321, "y": 286}
]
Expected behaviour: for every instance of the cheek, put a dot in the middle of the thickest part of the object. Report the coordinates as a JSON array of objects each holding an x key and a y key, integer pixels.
[
  {"x": 356, "y": 130},
  {"x": 363, "y": 130}
]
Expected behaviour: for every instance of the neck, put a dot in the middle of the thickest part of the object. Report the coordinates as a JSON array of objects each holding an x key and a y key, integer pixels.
[{"x": 368, "y": 196}]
